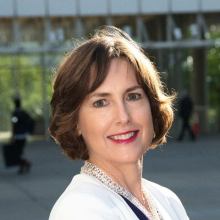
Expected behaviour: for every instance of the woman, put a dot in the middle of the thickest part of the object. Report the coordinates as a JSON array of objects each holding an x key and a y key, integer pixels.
[{"x": 108, "y": 109}]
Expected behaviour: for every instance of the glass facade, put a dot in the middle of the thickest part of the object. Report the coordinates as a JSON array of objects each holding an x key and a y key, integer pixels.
[{"x": 30, "y": 47}]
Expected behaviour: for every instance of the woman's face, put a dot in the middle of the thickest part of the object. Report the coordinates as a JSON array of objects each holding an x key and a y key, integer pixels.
[{"x": 115, "y": 120}]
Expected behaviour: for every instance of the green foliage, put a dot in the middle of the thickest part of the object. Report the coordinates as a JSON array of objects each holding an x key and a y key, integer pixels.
[
  {"x": 5, "y": 83},
  {"x": 214, "y": 73},
  {"x": 22, "y": 76}
]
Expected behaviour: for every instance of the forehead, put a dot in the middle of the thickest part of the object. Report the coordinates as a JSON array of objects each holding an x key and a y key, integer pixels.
[
  {"x": 113, "y": 64},
  {"x": 120, "y": 66},
  {"x": 100, "y": 70},
  {"x": 120, "y": 75}
]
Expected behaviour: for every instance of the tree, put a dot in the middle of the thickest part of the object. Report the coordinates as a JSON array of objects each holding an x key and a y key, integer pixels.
[{"x": 21, "y": 76}]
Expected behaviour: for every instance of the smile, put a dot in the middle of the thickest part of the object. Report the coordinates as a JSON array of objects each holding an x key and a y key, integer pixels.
[{"x": 126, "y": 137}]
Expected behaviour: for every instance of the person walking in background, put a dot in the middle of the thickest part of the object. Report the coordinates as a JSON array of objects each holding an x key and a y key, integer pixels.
[
  {"x": 185, "y": 112},
  {"x": 21, "y": 126}
]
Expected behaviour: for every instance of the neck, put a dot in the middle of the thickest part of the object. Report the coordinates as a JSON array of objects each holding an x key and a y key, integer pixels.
[
  {"x": 129, "y": 176},
  {"x": 117, "y": 177}
]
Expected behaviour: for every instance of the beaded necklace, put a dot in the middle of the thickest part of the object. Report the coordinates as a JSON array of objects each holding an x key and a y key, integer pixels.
[{"x": 92, "y": 170}]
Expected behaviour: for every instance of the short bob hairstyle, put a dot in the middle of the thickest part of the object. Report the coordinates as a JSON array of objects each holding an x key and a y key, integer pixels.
[{"x": 84, "y": 69}]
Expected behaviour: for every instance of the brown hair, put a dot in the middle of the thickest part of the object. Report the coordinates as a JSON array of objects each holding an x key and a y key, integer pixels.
[{"x": 74, "y": 81}]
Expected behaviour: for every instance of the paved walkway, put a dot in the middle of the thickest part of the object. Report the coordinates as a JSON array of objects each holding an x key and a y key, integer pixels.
[{"x": 191, "y": 169}]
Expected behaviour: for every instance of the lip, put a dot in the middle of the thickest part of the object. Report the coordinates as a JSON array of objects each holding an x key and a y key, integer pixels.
[{"x": 126, "y": 141}]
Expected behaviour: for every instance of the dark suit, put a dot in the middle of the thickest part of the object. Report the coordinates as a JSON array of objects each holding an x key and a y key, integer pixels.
[{"x": 185, "y": 111}]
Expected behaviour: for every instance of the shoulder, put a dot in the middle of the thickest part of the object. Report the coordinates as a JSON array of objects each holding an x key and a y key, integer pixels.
[
  {"x": 20, "y": 113},
  {"x": 159, "y": 190},
  {"x": 166, "y": 198},
  {"x": 84, "y": 199}
]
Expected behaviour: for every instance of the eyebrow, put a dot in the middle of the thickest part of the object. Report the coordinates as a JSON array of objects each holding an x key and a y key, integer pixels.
[
  {"x": 133, "y": 88},
  {"x": 105, "y": 94}
]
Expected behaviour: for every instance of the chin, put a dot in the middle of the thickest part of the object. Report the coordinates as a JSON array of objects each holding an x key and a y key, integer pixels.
[{"x": 132, "y": 159}]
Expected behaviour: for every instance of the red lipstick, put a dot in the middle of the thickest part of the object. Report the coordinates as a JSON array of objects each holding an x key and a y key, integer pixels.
[{"x": 122, "y": 139}]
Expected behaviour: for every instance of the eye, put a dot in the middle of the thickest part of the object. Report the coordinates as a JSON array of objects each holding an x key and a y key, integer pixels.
[
  {"x": 100, "y": 103},
  {"x": 134, "y": 96}
]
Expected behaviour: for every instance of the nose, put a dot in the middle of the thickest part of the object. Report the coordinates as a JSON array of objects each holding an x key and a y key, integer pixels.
[{"x": 122, "y": 113}]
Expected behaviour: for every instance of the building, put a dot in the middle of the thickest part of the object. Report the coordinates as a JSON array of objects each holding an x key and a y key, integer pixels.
[{"x": 43, "y": 30}]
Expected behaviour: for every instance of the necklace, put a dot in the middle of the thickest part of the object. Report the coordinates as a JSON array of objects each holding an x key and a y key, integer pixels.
[
  {"x": 143, "y": 198},
  {"x": 92, "y": 170}
]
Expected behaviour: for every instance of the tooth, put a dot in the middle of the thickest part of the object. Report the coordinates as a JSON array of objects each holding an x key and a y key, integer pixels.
[{"x": 123, "y": 136}]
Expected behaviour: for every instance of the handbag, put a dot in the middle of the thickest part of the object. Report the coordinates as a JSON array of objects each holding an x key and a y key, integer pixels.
[{"x": 11, "y": 155}]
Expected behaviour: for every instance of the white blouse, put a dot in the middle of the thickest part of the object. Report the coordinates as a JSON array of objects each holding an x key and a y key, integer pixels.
[{"x": 86, "y": 198}]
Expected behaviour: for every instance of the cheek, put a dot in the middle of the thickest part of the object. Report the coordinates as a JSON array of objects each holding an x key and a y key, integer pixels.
[
  {"x": 84, "y": 125},
  {"x": 145, "y": 118},
  {"x": 92, "y": 125},
  {"x": 144, "y": 112}
]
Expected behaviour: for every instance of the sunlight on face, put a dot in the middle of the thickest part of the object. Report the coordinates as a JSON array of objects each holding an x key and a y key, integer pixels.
[{"x": 115, "y": 120}]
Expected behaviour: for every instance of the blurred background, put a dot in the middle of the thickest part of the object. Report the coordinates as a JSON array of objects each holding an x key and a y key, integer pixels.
[{"x": 181, "y": 37}]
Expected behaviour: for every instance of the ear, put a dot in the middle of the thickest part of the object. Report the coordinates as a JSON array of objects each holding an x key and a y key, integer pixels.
[{"x": 79, "y": 132}]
